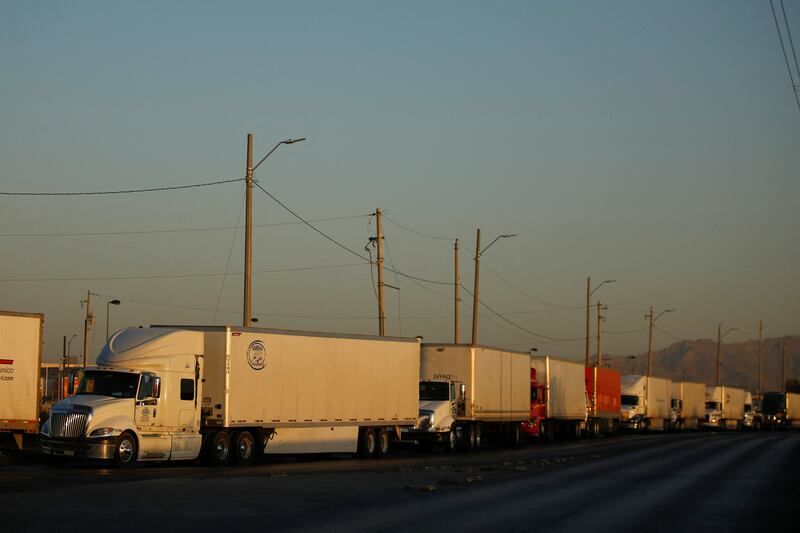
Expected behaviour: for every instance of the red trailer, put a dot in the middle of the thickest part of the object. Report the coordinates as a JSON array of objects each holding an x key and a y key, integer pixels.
[{"x": 603, "y": 392}]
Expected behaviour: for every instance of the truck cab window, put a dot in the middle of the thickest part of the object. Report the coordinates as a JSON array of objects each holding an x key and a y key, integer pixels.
[
  {"x": 187, "y": 389},
  {"x": 146, "y": 386}
]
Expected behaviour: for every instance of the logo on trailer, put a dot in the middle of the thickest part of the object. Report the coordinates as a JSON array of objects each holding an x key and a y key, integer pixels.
[{"x": 256, "y": 355}]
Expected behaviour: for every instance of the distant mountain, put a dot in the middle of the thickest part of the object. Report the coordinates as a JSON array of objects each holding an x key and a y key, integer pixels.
[{"x": 696, "y": 361}]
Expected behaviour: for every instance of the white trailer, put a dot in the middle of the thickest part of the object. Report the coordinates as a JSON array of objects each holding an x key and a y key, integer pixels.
[
  {"x": 645, "y": 403},
  {"x": 20, "y": 359},
  {"x": 688, "y": 405},
  {"x": 469, "y": 393},
  {"x": 564, "y": 395},
  {"x": 724, "y": 407},
  {"x": 166, "y": 393}
]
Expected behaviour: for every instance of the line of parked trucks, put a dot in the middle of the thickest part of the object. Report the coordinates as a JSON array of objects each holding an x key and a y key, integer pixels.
[{"x": 225, "y": 393}]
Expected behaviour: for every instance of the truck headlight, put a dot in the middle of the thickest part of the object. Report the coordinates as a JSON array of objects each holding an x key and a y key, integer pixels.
[
  {"x": 45, "y": 429},
  {"x": 104, "y": 432},
  {"x": 425, "y": 420}
]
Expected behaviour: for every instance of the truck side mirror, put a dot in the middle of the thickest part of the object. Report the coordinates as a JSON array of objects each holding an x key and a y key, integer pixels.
[
  {"x": 156, "y": 387},
  {"x": 462, "y": 392}
]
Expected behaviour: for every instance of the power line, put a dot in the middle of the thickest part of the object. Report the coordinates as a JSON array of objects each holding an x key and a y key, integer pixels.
[
  {"x": 791, "y": 42},
  {"x": 174, "y": 230},
  {"x": 785, "y": 58},
  {"x": 127, "y": 191},
  {"x": 228, "y": 262},
  {"x": 175, "y": 276},
  {"x": 428, "y": 235},
  {"x": 668, "y": 334}
]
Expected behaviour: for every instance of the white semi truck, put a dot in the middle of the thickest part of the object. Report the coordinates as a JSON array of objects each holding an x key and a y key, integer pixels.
[
  {"x": 20, "y": 359},
  {"x": 724, "y": 408},
  {"x": 169, "y": 393},
  {"x": 470, "y": 393},
  {"x": 688, "y": 405},
  {"x": 645, "y": 403}
]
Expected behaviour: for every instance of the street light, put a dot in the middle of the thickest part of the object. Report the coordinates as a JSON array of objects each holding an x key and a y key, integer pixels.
[
  {"x": 108, "y": 306},
  {"x": 248, "y": 226},
  {"x": 650, "y": 337},
  {"x": 721, "y": 336},
  {"x": 589, "y": 293},
  {"x": 475, "y": 301}
]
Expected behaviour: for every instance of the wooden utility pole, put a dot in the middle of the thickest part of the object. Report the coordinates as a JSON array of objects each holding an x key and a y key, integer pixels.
[
  {"x": 650, "y": 343},
  {"x": 760, "y": 344},
  {"x": 600, "y": 318},
  {"x": 719, "y": 350},
  {"x": 456, "y": 298},
  {"x": 248, "y": 232},
  {"x": 64, "y": 355},
  {"x": 588, "y": 316},
  {"x": 475, "y": 289},
  {"x": 381, "y": 312},
  {"x": 87, "y": 326}
]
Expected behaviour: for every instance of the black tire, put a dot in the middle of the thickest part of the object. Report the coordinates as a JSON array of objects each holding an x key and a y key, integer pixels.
[
  {"x": 369, "y": 443},
  {"x": 474, "y": 437},
  {"x": 384, "y": 443},
  {"x": 126, "y": 451},
  {"x": 218, "y": 448},
  {"x": 516, "y": 435},
  {"x": 576, "y": 431},
  {"x": 244, "y": 447},
  {"x": 549, "y": 430}
]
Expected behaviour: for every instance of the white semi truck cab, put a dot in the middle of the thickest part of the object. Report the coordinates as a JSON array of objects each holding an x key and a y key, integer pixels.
[
  {"x": 440, "y": 403},
  {"x": 131, "y": 408}
]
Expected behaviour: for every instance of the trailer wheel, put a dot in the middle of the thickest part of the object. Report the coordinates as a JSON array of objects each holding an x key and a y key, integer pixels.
[
  {"x": 126, "y": 451},
  {"x": 219, "y": 448},
  {"x": 452, "y": 440},
  {"x": 516, "y": 435},
  {"x": 474, "y": 438},
  {"x": 384, "y": 443},
  {"x": 243, "y": 447},
  {"x": 369, "y": 443},
  {"x": 576, "y": 431}
]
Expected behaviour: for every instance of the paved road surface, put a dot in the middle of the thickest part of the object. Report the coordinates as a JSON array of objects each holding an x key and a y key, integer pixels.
[{"x": 694, "y": 482}]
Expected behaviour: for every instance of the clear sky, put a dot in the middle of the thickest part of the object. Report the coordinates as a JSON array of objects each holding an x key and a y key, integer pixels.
[{"x": 655, "y": 143}]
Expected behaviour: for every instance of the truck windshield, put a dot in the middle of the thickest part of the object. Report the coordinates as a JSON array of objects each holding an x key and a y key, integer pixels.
[
  {"x": 114, "y": 384},
  {"x": 434, "y": 391},
  {"x": 629, "y": 399},
  {"x": 773, "y": 403},
  {"x": 712, "y": 405}
]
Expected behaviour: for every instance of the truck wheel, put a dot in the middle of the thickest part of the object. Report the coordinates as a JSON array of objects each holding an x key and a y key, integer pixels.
[
  {"x": 452, "y": 440},
  {"x": 369, "y": 443},
  {"x": 126, "y": 451},
  {"x": 474, "y": 438},
  {"x": 576, "y": 432},
  {"x": 516, "y": 436},
  {"x": 384, "y": 443},
  {"x": 219, "y": 448},
  {"x": 243, "y": 447}
]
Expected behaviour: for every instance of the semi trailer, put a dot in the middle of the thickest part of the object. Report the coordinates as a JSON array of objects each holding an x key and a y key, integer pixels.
[
  {"x": 646, "y": 403},
  {"x": 558, "y": 403},
  {"x": 688, "y": 405},
  {"x": 603, "y": 391},
  {"x": 182, "y": 392},
  {"x": 20, "y": 395},
  {"x": 724, "y": 408},
  {"x": 469, "y": 394}
]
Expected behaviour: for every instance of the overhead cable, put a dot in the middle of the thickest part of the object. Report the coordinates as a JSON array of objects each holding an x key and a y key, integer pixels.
[{"x": 125, "y": 191}]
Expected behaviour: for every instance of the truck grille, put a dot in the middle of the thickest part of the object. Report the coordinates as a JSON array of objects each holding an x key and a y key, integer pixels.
[{"x": 69, "y": 424}]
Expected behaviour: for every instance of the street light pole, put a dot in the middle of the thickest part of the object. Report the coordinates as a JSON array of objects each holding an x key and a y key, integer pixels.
[
  {"x": 760, "y": 344},
  {"x": 783, "y": 363},
  {"x": 650, "y": 337},
  {"x": 475, "y": 300},
  {"x": 720, "y": 336},
  {"x": 248, "y": 225},
  {"x": 600, "y": 319},
  {"x": 108, "y": 305},
  {"x": 87, "y": 326},
  {"x": 456, "y": 297},
  {"x": 589, "y": 293}
]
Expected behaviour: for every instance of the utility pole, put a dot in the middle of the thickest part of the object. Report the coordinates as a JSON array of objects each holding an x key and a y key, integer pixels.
[
  {"x": 588, "y": 316},
  {"x": 783, "y": 364},
  {"x": 456, "y": 298},
  {"x": 64, "y": 355},
  {"x": 248, "y": 232},
  {"x": 87, "y": 326},
  {"x": 760, "y": 343},
  {"x": 650, "y": 343},
  {"x": 475, "y": 289},
  {"x": 600, "y": 319},
  {"x": 381, "y": 312},
  {"x": 719, "y": 350}
]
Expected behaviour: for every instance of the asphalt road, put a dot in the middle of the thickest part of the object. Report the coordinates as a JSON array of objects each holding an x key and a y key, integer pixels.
[{"x": 694, "y": 482}]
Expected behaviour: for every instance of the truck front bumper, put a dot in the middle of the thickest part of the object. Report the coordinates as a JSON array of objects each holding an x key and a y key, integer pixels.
[
  {"x": 102, "y": 449},
  {"x": 421, "y": 436}
]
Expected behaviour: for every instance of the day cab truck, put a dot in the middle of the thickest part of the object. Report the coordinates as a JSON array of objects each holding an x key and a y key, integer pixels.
[
  {"x": 558, "y": 398},
  {"x": 20, "y": 395},
  {"x": 752, "y": 416},
  {"x": 603, "y": 390},
  {"x": 780, "y": 410},
  {"x": 724, "y": 408},
  {"x": 470, "y": 394},
  {"x": 224, "y": 392},
  {"x": 688, "y": 405},
  {"x": 645, "y": 403}
]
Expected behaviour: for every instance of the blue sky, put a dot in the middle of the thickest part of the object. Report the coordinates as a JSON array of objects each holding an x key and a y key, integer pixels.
[{"x": 652, "y": 143}]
